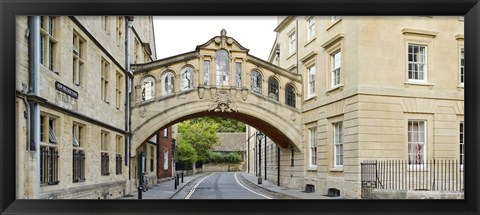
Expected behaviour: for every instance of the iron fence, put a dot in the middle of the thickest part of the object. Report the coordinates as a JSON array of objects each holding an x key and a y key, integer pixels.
[{"x": 432, "y": 175}]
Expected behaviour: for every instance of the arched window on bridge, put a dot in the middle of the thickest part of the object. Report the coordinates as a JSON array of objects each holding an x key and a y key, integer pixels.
[
  {"x": 148, "y": 88},
  {"x": 290, "y": 95},
  {"x": 256, "y": 82},
  {"x": 273, "y": 88},
  {"x": 187, "y": 78},
  {"x": 168, "y": 80},
  {"x": 222, "y": 67}
]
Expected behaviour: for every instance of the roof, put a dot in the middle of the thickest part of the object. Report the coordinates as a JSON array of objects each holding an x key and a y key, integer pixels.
[{"x": 231, "y": 142}]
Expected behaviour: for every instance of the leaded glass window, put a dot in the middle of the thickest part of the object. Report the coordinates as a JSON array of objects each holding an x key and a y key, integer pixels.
[
  {"x": 168, "y": 83},
  {"x": 290, "y": 95},
  {"x": 273, "y": 88},
  {"x": 238, "y": 74},
  {"x": 206, "y": 72},
  {"x": 148, "y": 88},
  {"x": 256, "y": 82},
  {"x": 222, "y": 67},
  {"x": 187, "y": 78}
]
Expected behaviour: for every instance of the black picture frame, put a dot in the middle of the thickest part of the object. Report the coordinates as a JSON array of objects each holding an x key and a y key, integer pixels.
[{"x": 10, "y": 8}]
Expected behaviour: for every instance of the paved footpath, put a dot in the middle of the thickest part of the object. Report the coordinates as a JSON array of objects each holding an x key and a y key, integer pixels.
[
  {"x": 277, "y": 192},
  {"x": 165, "y": 190}
]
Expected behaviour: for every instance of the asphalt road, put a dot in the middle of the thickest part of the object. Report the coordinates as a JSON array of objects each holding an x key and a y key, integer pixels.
[{"x": 222, "y": 185}]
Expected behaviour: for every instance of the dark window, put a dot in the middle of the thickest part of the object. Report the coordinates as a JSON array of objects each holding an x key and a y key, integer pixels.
[
  {"x": 118, "y": 163},
  {"x": 48, "y": 166},
  {"x": 78, "y": 165},
  {"x": 292, "y": 159},
  {"x": 105, "y": 164},
  {"x": 273, "y": 89},
  {"x": 290, "y": 96}
]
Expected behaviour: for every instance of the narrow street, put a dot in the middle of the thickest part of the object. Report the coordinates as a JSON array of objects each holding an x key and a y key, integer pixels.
[{"x": 222, "y": 185}]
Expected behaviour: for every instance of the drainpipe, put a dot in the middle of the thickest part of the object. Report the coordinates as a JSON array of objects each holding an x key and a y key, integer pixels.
[
  {"x": 278, "y": 166},
  {"x": 248, "y": 149},
  {"x": 128, "y": 81},
  {"x": 34, "y": 109},
  {"x": 265, "y": 156}
]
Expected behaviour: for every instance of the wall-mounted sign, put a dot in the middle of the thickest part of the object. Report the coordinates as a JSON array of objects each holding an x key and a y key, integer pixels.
[{"x": 59, "y": 86}]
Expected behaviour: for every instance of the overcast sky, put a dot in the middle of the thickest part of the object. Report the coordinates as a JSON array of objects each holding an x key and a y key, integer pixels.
[{"x": 179, "y": 34}]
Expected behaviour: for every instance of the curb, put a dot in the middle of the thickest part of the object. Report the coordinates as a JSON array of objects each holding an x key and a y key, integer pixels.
[
  {"x": 188, "y": 183},
  {"x": 270, "y": 192}
]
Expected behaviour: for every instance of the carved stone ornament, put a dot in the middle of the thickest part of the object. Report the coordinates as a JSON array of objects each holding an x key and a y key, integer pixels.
[
  {"x": 201, "y": 92},
  {"x": 143, "y": 112},
  {"x": 221, "y": 102}
]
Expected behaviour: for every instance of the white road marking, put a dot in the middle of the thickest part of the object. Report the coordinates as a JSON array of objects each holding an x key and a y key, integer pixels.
[
  {"x": 238, "y": 182},
  {"x": 195, "y": 187}
]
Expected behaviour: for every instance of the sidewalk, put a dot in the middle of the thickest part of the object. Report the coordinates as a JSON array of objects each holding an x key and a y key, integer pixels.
[
  {"x": 164, "y": 190},
  {"x": 286, "y": 192}
]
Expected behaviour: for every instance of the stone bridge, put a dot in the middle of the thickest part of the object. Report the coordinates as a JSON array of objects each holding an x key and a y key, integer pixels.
[{"x": 218, "y": 79}]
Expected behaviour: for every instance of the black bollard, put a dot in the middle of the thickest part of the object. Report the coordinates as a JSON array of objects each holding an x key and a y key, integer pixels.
[
  {"x": 175, "y": 182},
  {"x": 182, "y": 176},
  {"x": 139, "y": 193}
]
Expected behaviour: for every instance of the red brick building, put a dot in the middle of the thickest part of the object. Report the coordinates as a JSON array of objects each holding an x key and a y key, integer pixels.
[{"x": 165, "y": 153}]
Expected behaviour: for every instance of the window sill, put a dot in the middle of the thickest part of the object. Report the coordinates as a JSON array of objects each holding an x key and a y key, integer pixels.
[
  {"x": 338, "y": 87},
  {"x": 291, "y": 55},
  {"x": 312, "y": 169},
  {"x": 312, "y": 97},
  {"x": 310, "y": 41},
  {"x": 333, "y": 24},
  {"x": 337, "y": 169},
  {"x": 461, "y": 86},
  {"x": 408, "y": 83}
]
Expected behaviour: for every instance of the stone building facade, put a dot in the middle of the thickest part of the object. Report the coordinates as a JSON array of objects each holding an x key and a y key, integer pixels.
[
  {"x": 375, "y": 88},
  {"x": 76, "y": 145}
]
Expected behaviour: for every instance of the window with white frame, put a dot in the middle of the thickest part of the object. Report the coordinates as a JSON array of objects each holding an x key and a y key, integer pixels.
[
  {"x": 148, "y": 88},
  {"x": 222, "y": 67},
  {"x": 312, "y": 133},
  {"x": 336, "y": 68},
  {"x": 462, "y": 143},
  {"x": 187, "y": 78},
  {"x": 78, "y": 58},
  {"x": 165, "y": 160},
  {"x": 165, "y": 132},
  {"x": 118, "y": 157},
  {"x": 292, "y": 43},
  {"x": 168, "y": 83},
  {"x": 256, "y": 82},
  {"x": 462, "y": 66},
  {"x": 311, "y": 80},
  {"x": 417, "y": 62},
  {"x": 206, "y": 72},
  {"x": 311, "y": 28},
  {"x": 417, "y": 141},
  {"x": 338, "y": 144}
]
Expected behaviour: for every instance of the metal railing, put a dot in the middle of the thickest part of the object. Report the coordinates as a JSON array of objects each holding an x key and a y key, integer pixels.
[{"x": 432, "y": 175}]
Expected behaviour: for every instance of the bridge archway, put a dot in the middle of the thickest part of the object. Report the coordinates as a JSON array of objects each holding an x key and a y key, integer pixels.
[{"x": 212, "y": 88}]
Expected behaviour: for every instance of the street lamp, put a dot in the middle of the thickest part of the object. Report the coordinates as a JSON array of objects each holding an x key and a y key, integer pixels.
[{"x": 259, "y": 139}]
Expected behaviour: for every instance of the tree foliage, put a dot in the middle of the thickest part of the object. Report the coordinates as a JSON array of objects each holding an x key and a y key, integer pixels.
[
  {"x": 224, "y": 125},
  {"x": 201, "y": 136},
  {"x": 219, "y": 157}
]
